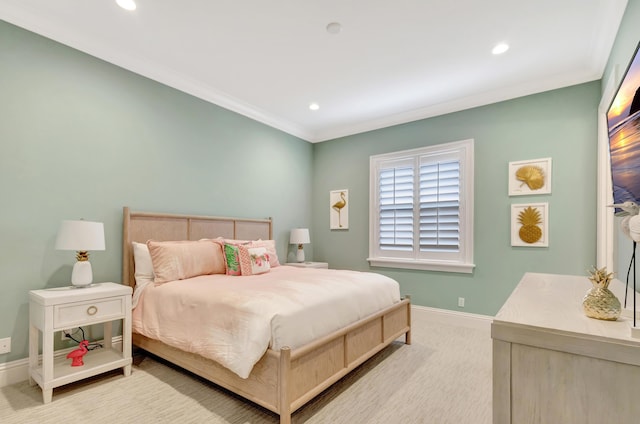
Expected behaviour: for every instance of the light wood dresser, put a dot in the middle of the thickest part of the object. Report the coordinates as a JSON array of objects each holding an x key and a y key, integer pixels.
[{"x": 552, "y": 364}]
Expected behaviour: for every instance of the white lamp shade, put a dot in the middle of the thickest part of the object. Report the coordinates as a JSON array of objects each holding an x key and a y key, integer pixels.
[
  {"x": 299, "y": 236},
  {"x": 80, "y": 236}
]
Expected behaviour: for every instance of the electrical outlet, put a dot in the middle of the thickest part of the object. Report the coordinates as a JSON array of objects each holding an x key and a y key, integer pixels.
[
  {"x": 63, "y": 333},
  {"x": 461, "y": 302},
  {"x": 5, "y": 345}
]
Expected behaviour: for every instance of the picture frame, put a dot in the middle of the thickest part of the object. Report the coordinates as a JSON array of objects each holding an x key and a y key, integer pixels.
[
  {"x": 530, "y": 237},
  {"x": 528, "y": 177},
  {"x": 339, "y": 209}
]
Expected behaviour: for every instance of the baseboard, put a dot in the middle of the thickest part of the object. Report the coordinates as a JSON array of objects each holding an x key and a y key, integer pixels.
[
  {"x": 14, "y": 372},
  {"x": 18, "y": 370},
  {"x": 463, "y": 319}
]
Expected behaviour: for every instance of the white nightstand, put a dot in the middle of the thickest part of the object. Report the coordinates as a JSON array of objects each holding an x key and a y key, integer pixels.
[
  {"x": 309, "y": 264},
  {"x": 53, "y": 310}
]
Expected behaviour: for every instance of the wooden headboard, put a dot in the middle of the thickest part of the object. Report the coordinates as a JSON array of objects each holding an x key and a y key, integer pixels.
[{"x": 143, "y": 226}]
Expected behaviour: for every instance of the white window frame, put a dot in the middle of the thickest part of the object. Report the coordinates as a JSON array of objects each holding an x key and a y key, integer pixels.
[{"x": 462, "y": 260}]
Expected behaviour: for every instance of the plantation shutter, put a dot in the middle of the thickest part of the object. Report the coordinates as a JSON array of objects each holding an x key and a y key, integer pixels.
[
  {"x": 396, "y": 193},
  {"x": 421, "y": 208},
  {"x": 439, "y": 206}
]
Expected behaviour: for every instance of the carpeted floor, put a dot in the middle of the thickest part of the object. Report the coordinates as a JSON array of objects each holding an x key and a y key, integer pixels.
[{"x": 443, "y": 377}]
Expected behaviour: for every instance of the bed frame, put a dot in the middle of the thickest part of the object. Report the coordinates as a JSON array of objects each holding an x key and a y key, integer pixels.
[{"x": 282, "y": 381}]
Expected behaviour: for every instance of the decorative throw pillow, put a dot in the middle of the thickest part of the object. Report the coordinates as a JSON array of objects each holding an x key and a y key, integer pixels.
[
  {"x": 177, "y": 260},
  {"x": 270, "y": 245},
  {"x": 232, "y": 259},
  {"x": 246, "y": 260},
  {"x": 257, "y": 259}
]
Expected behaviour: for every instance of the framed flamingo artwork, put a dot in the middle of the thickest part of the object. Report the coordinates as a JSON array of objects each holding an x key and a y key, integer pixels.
[{"x": 339, "y": 209}]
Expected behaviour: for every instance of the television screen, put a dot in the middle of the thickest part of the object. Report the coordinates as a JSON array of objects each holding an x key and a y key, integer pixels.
[{"x": 623, "y": 120}]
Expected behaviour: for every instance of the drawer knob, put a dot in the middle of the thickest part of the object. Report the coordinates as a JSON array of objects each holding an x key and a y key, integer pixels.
[{"x": 92, "y": 310}]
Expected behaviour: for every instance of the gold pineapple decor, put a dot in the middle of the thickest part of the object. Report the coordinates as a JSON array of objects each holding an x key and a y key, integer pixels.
[
  {"x": 530, "y": 232},
  {"x": 600, "y": 302}
]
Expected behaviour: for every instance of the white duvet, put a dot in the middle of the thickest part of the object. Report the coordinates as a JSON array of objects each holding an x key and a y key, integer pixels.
[{"x": 234, "y": 319}]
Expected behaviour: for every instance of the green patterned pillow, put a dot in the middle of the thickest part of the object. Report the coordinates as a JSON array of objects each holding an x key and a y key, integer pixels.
[{"x": 232, "y": 259}]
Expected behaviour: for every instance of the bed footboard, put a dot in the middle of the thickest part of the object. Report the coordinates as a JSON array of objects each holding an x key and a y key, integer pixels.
[
  {"x": 282, "y": 381},
  {"x": 286, "y": 380}
]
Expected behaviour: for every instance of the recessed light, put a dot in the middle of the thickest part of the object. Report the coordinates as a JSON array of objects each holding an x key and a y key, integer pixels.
[
  {"x": 127, "y": 4},
  {"x": 334, "y": 28},
  {"x": 314, "y": 106},
  {"x": 500, "y": 48}
]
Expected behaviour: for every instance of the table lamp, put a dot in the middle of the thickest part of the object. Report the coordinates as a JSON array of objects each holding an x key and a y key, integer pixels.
[
  {"x": 81, "y": 236},
  {"x": 299, "y": 236}
]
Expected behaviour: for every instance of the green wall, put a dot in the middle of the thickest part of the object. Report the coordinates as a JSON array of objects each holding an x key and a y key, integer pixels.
[
  {"x": 81, "y": 138},
  {"x": 560, "y": 124}
]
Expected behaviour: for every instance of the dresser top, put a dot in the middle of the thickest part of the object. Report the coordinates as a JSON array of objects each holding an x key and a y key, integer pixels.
[{"x": 553, "y": 303}]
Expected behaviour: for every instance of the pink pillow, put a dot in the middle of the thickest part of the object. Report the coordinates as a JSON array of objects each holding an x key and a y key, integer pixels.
[
  {"x": 245, "y": 259},
  {"x": 177, "y": 260},
  {"x": 270, "y": 245}
]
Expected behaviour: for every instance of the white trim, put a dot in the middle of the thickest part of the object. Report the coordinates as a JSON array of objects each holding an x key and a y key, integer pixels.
[
  {"x": 14, "y": 372},
  {"x": 422, "y": 265},
  {"x": 460, "y": 261},
  {"x": 39, "y": 24},
  {"x": 605, "y": 250},
  {"x": 148, "y": 68},
  {"x": 465, "y": 103},
  {"x": 18, "y": 371},
  {"x": 448, "y": 317}
]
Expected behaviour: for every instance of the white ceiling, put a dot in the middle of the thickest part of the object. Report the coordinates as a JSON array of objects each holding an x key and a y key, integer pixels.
[{"x": 394, "y": 61}]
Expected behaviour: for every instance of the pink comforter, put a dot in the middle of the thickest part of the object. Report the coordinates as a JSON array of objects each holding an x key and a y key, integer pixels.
[{"x": 233, "y": 320}]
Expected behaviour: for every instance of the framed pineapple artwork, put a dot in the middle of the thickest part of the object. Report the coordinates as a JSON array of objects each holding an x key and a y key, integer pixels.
[
  {"x": 530, "y": 177},
  {"x": 530, "y": 225}
]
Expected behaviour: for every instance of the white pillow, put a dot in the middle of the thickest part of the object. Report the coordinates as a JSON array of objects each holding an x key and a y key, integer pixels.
[
  {"x": 143, "y": 267},
  {"x": 259, "y": 259},
  {"x": 270, "y": 245}
]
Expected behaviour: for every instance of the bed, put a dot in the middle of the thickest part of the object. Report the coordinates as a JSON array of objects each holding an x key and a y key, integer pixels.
[{"x": 283, "y": 379}]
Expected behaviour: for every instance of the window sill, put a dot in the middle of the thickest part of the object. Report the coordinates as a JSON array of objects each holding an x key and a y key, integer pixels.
[{"x": 422, "y": 265}]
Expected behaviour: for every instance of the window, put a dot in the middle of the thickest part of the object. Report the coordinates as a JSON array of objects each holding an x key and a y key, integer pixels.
[{"x": 421, "y": 208}]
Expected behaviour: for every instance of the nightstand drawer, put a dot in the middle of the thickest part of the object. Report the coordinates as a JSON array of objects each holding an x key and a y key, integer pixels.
[{"x": 73, "y": 314}]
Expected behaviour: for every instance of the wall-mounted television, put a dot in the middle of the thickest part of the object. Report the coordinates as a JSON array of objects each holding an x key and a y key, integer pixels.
[{"x": 623, "y": 118}]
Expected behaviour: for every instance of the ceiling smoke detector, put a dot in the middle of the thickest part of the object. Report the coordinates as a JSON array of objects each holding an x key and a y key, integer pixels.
[{"x": 334, "y": 28}]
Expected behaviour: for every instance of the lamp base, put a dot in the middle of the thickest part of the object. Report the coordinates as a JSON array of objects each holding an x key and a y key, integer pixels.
[
  {"x": 300, "y": 255},
  {"x": 82, "y": 275}
]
